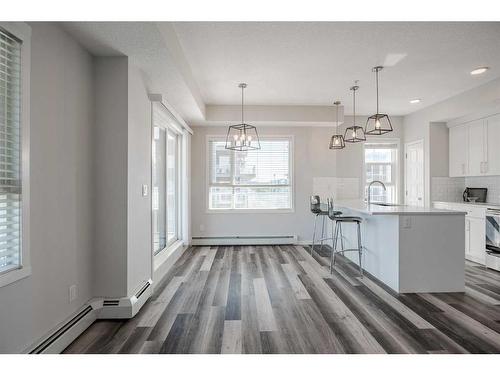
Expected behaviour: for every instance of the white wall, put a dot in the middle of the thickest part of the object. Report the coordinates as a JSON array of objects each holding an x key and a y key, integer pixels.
[
  {"x": 111, "y": 150},
  {"x": 61, "y": 191},
  {"x": 139, "y": 173},
  {"x": 312, "y": 158},
  {"x": 123, "y": 165}
]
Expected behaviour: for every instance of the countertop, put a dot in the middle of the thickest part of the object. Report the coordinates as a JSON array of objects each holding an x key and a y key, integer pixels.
[
  {"x": 475, "y": 204},
  {"x": 373, "y": 209}
]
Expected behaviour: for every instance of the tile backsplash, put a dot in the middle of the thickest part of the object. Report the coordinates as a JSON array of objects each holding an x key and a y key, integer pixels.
[
  {"x": 447, "y": 189},
  {"x": 450, "y": 189}
]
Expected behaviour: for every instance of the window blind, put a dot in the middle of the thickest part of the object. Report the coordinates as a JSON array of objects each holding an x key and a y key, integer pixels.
[
  {"x": 250, "y": 180},
  {"x": 10, "y": 155}
]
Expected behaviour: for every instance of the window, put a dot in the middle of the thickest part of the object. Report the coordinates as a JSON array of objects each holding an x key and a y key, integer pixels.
[
  {"x": 14, "y": 70},
  {"x": 381, "y": 163},
  {"x": 165, "y": 179},
  {"x": 253, "y": 180}
]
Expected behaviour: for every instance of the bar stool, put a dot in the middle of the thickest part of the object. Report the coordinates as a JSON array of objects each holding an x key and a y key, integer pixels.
[
  {"x": 338, "y": 219},
  {"x": 315, "y": 203}
]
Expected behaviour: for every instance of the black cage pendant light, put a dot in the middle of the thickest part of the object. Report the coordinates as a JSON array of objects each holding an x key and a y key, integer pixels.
[
  {"x": 337, "y": 140},
  {"x": 379, "y": 123},
  {"x": 354, "y": 133},
  {"x": 242, "y": 137}
]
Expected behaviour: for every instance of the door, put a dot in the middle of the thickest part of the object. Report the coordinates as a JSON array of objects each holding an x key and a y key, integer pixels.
[
  {"x": 414, "y": 173},
  {"x": 476, "y": 142},
  {"x": 458, "y": 151}
]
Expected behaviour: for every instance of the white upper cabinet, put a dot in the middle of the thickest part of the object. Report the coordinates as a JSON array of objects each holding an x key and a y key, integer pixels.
[
  {"x": 477, "y": 148},
  {"x": 473, "y": 148},
  {"x": 458, "y": 151},
  {"x": 493, "y": 145}
]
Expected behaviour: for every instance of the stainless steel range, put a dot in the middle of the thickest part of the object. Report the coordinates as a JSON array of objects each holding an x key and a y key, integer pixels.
[{"x": 493, "y": 238}]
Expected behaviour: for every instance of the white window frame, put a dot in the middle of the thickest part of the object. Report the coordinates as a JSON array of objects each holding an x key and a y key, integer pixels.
[
  {"x": 176, "y": 129},
  {"x": 397, "y": 165},
  {"x": 209, "y": 210},
  {"x": 23, "y": 32}
]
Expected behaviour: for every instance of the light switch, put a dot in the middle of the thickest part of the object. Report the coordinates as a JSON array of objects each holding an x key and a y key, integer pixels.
[{"x": 144, "y": 190}]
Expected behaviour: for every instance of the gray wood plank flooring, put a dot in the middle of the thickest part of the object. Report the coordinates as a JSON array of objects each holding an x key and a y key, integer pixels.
[{"x": 279, "y": 299}]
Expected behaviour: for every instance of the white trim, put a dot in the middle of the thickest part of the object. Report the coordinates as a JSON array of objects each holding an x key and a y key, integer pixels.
[
  {"x": 158, "y": 98},
  {"x": 418, "y": 141},
  {"x": 22, "y": 31},
  {"x": 245, "y": 240},
  {"x": 397, "y": 183},
  {"x": 291, "y": 166},
  {"x": 492, "y": 111}
]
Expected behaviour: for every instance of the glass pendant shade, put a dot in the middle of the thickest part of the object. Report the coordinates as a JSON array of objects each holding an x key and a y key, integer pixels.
[
  {"x": 337, "y": 142},
  {"x": 379, "y": 123},
  {"x": 242, "y": 137},
  {"x": 354, "y": 133}
]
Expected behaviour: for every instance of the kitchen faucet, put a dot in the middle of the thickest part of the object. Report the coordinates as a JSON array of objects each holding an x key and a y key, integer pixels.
[{"x": 370, "y": 191}]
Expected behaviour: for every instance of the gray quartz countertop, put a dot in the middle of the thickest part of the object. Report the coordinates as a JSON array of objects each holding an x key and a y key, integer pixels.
[
  {"x": 374, "y": 209},
  {"x": 474, "y": 204}
]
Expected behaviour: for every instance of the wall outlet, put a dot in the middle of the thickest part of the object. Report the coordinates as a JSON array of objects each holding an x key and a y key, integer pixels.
[
  {"x": 406, "y": 222},
  {"x": 144, "y": 190},
  {"x": 72, "y": 293},
  {"x": 202, "y": 227}
]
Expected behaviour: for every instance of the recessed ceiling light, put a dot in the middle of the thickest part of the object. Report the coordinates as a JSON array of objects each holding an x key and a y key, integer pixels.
[
  {"x": 481, "y": 70},
  {"x": 415, "y": 101}
]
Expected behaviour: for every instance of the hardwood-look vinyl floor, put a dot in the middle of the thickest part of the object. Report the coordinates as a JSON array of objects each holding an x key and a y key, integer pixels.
[{"x": 279, "y": 299}]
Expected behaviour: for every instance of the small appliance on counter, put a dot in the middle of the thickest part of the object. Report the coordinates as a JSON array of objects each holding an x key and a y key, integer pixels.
[{"x": 475, "y": 195}]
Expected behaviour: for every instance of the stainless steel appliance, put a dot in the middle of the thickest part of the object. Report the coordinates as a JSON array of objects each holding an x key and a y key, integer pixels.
[
  {"x": 493, "y": 238},
  {"x": 475, "y": 195}
]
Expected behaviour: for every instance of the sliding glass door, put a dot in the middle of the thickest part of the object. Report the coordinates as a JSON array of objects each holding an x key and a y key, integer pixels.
[
  {"x": 172, "y": 189},
  {"x": 165, "y": 181}
]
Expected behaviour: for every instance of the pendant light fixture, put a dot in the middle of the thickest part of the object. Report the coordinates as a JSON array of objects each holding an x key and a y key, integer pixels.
[
  {"x": 337, "y": 140},
  {"x": 379, "y": 123},
  {"x": 242, "y": 137},
  {"x": 354, "y": 133}
]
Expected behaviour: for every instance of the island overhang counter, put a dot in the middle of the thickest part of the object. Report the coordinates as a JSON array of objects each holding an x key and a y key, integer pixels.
[{"x": 409, "y": 249}]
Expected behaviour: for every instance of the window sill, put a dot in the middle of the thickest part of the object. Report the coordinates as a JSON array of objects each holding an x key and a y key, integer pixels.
[
  {"x": 163, "y": 255},
  {"x": 14, "y": 275},
  {"x": 251, "y": 211}
]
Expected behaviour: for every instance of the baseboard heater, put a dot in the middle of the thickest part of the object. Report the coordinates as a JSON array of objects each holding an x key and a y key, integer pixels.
[
  {"x": 98, "y": 308},
  {"x": 64, "y": 335},
  {"x": 245, "y": 240}
]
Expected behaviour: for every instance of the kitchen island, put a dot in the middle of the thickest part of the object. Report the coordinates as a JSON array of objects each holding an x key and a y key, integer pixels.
[{"x": 410, "y": 249}]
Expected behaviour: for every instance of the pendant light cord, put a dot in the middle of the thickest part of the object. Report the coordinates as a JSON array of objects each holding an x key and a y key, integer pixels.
[
  {"x": 242, "y": 116},
  {"x": 376, "y": 75}
]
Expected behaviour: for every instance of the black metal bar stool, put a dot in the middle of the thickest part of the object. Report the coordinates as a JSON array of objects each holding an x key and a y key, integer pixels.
[
  {"x": 338, "y": 220},
  {"x": 317, "y": 211}
]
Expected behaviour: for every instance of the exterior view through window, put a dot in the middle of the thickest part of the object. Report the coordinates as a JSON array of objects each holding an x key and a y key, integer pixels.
[
  {"x": 252, "y": 180},
  {"x": 381, "y": 163}
]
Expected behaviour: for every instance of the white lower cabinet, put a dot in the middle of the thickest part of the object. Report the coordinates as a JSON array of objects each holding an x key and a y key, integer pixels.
[
  {"x": 476, "y": 246},
  {"x": 475, "y": 224}
]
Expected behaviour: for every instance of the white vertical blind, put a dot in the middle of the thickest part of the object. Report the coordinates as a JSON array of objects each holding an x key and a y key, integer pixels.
[
  {"x": 10, "y": 155},
  {"x": 257, "y": 179}
]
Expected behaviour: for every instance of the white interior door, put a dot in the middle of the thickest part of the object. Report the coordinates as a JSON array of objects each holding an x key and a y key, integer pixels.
[{"x": 414, "y": 173}]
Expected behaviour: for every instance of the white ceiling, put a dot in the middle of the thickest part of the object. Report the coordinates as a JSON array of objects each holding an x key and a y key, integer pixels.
[{"x": 299, "y": 63}]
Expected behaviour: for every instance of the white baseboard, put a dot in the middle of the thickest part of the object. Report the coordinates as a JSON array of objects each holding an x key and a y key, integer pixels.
[
  {"x": 244, "y": 240},
  {"x": 98, "y": 308}
]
